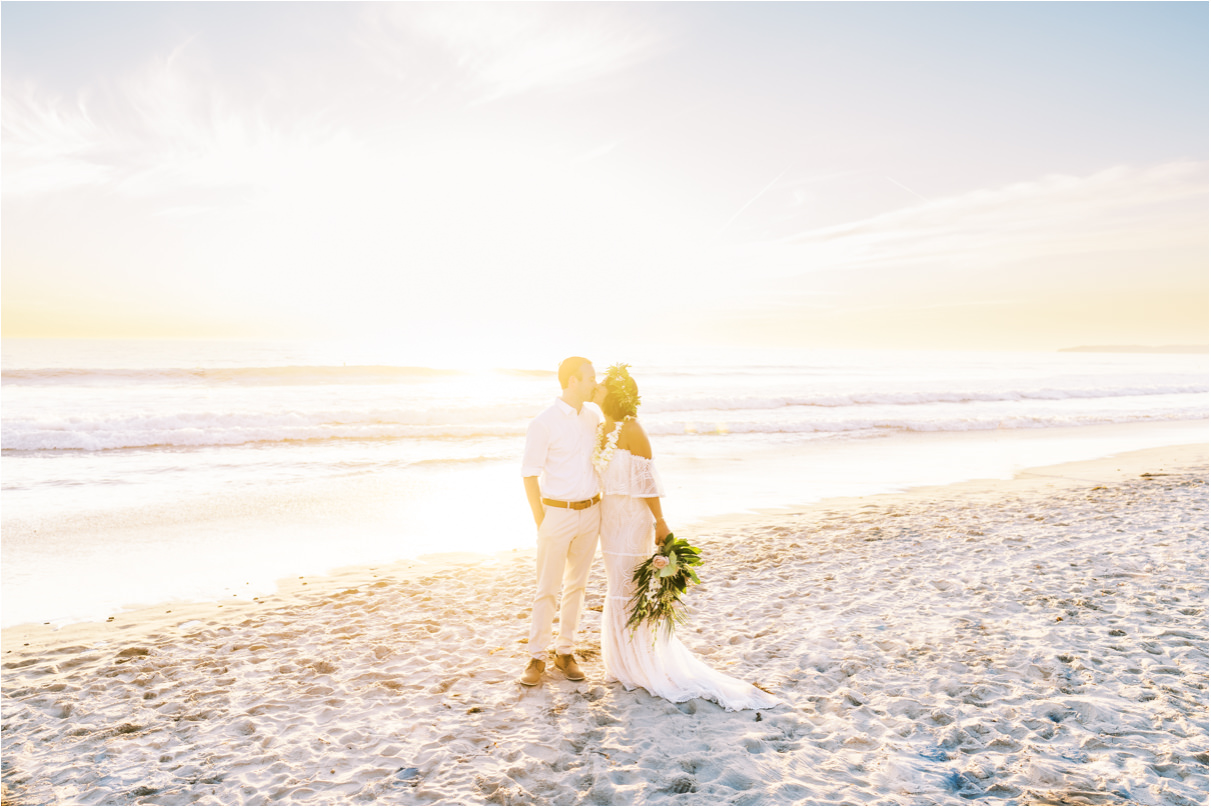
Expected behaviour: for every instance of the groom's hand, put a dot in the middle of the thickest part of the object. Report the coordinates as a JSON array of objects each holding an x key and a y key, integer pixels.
[{"x": 534, "y": 496}]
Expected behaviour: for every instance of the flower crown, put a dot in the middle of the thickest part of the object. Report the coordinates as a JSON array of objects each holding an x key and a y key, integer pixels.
[{"x": 618, "y": 383}]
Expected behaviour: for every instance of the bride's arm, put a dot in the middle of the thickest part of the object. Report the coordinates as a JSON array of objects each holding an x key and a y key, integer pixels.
[{"x": 635, "y": 440}]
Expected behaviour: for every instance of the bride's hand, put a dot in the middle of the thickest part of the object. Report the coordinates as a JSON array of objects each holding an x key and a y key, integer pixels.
[{"x": 662, "y": 530}]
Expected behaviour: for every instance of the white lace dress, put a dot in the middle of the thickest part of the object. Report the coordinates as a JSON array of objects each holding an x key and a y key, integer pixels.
[{"x": 664, "y": 667}]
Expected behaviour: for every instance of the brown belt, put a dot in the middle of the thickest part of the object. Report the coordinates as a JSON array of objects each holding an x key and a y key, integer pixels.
[{"x": 576, "y": 506}]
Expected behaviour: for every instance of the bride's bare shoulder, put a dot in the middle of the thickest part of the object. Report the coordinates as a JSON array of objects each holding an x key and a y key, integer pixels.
[
  {"x": 634, "y": 439},
  {"x": 632, "y": 426}
]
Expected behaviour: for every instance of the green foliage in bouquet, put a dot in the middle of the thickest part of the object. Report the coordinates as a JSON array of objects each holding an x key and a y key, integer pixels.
[{"x": 659, "y": 584}]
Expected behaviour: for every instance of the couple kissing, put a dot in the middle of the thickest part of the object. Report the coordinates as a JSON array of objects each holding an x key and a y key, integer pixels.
[{"x": 588, "y": 474}]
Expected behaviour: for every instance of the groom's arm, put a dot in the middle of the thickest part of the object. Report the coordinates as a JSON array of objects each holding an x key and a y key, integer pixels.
[
  {"x": 535, "y": 496},
  {"x": 534, "y": 457}
]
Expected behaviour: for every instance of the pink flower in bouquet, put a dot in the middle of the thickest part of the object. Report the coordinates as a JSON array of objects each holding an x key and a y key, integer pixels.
[{"x": 660, "y": 562}]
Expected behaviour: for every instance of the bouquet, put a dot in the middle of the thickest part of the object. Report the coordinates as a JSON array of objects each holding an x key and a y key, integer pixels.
[{"x": 659, "y": 584}]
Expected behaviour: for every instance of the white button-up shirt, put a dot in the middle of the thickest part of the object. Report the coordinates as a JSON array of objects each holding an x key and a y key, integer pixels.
[{"x": 559, "y": 451}]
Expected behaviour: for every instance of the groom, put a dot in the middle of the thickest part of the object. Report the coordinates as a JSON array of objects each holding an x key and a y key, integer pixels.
[{"x": 557, "y": 469}]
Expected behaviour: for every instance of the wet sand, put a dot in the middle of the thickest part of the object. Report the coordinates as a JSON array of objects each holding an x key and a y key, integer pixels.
[{"x": 1041, "y": 640}]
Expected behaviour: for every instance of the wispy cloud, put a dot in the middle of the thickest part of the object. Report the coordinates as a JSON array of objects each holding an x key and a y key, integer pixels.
[
  {"x": 1121, "y": 208},
  {"x": 1053, "y": 261},
  {"x": 167, "y": 128},
  {"x": 48, "y": 143},
  {"x": 504, "y": 49},
  {"x": 179, "y": 127}
]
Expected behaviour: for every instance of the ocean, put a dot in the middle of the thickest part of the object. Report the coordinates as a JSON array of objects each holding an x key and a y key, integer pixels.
[{"x": 142, "y": 472}]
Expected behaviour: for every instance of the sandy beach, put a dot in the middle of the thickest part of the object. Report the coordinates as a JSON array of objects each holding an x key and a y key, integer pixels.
[{"x": 1037, "y": 640}]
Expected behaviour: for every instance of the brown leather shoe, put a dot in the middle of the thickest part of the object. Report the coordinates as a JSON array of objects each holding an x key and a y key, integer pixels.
[
  {"x": 533, "y": 673},
  {"x": 567, "y": 664}
]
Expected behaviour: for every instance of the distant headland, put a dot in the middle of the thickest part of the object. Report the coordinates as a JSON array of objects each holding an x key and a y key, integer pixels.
[{"x": 1187, "y": 349}]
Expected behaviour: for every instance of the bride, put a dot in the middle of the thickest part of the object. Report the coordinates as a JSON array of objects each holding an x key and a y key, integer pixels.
[{"x": 659, "y": 663}]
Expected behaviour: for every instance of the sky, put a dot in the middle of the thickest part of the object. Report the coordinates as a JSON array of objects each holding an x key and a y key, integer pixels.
[{"x": 818, "y": 175}]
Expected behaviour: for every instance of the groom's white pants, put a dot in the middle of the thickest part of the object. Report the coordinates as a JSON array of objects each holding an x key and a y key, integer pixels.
[{"x": 567, "y": 542}]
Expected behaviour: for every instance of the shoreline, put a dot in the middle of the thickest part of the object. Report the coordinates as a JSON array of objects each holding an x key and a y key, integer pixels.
[
  {"x": 87, "y": 568},
  {"x": 289, "y": 590},
  {"x": 1099, "y": 470},
  {"x": 1035, "y": 640}
]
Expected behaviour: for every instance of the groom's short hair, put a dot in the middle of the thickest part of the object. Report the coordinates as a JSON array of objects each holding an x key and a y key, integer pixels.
[{"x": 568, "y": 368}]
